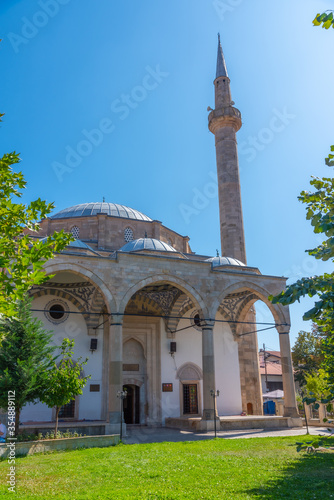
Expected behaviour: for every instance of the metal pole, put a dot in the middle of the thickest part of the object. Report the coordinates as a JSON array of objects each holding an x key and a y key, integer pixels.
[
  {"x": 265, "y": 366},
  {"x": 121, "y": 433},
  {"x": 214, "y": 416},
  {"x": 121, "y": 395},
  {"x": 214, "y": 395}
]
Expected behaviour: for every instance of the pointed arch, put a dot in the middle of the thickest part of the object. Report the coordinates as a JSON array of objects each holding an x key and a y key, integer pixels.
[
  {"x": 73, "y": 268},
  {"x": 164, "y": 279},
  {"x": 280, "y": 313}
]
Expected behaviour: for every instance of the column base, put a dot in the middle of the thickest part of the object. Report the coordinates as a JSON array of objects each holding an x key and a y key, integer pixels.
[
  {"x": 290, "y": 411},
  {"x": 115, "y": 417},
  {"x": 295, "y": 422},
  {"x": 207, "y": 425},
  {"x": 208, "y": 415},
  {"x": 115, "y": 429}
]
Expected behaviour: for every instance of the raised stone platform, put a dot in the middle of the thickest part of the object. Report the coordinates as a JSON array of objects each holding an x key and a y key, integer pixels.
[
  {"x": 237, "y": 422},
  {"x": 85, "y": 427}
]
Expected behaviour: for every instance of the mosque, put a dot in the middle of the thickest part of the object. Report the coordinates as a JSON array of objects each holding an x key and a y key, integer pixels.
[{"x": 168, "y": 326}]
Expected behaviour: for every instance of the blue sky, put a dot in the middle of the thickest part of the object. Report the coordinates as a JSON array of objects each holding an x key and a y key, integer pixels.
[{"x": 142, "y": 73}]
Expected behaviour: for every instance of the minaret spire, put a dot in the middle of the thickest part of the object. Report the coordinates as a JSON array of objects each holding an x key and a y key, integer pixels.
[
  {"x": 221, "y": 65},
  {"x": 224, "y": 122}
]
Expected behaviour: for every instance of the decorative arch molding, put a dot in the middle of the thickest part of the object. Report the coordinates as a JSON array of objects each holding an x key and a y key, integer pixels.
[
  {"x": 59, "y": 294},
  {"x": 132, "y": 381},
  {"x": 189, "y": 371},
  {"x": 164, "y": 279},
  {"x": 90, "y": 276},
  {"x": 97, "y": 307},
  {"x": 128, "y": 338},
  {"x": 181, "y": 306},
  {"x": 280, "y": 314}
]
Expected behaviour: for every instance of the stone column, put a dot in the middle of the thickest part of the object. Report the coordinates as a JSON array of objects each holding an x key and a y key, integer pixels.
[
  {"x": 208, "y": 363},
  {"x": 290, "y": 404},
  {"x": 115, "y": 375},
  {"x": 250, "y": 380},
  {"x": 322, "y": 413}
]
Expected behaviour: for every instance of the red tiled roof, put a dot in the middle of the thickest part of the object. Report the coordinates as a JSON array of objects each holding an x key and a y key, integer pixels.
[{"x": 273, "y": 361}]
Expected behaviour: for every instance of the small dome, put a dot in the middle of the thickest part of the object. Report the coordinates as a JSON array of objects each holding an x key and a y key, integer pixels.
[
  {"x": 80, "y": 244},
  {"x": 90, "y": 209},
  {"x": 75, "y": 244},
  {"x": 224, "y": 261},
  {"x": 147, "y": 244}
]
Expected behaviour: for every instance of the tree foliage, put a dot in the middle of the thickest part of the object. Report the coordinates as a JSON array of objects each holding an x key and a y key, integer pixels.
[
  {"x": 324, "y": 19},
  {"x": 25, "y": 355},
  {"x": 21, "y": 256},
  {"x": 64, "y": 380},
  {"x": 307, "y": 355},
  {"x": 316, "y": 385},
  {"x": 320, "y": 211}
]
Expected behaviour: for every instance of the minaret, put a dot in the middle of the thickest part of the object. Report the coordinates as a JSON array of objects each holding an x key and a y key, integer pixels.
[{"x": 224, "y": 122}]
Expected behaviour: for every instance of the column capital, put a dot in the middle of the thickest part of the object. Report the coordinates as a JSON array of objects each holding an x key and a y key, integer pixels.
[
  {"x": 208, "y": 324},
  {"x": 116, "y": 319},
  {"x": 283, "y": 329}
]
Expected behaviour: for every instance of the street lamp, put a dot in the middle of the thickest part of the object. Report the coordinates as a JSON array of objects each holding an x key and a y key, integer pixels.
[
  {"x": 121, "y": 395},
  {"x": 214, "y": 394}
]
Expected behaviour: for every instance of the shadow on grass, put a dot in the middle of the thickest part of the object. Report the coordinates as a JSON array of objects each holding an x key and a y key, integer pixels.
[{"x": 310, "y": 477}]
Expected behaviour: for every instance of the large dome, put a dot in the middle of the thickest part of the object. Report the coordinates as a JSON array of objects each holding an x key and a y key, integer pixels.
[{"x": 111, "y": 209}]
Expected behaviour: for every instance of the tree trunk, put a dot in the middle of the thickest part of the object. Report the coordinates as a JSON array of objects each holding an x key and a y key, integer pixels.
[
  {"x": 56, "y": 427},
  {"x": 17, "y": 420}
]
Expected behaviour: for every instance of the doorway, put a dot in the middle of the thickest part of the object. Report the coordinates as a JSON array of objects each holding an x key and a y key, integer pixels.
[
  {"x": 131, "y": 404},
  {"x": 190, "y": 399}
]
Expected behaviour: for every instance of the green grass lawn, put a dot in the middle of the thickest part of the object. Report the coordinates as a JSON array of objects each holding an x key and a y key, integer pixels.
[{"x": 211, "y": 469}]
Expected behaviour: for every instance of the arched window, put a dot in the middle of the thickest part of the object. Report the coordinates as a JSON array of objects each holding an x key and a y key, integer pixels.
[
  {"x": 128, "y": 234},
  {"x": 75, "y": 232}
]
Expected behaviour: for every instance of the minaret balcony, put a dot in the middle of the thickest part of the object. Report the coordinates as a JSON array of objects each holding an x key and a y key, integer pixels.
[{"x": 224, "y": 117}]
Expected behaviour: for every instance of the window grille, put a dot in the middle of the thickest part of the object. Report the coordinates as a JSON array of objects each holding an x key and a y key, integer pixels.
[
  {"x": 190, "y": 404},
  {"x": 75, "y": 232},
  {"x": 128, "y": 234},
  {"x": 67, "y": 411}
]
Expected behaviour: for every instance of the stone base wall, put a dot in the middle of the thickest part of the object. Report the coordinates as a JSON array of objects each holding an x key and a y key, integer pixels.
[{"x": 32, "y": 447}]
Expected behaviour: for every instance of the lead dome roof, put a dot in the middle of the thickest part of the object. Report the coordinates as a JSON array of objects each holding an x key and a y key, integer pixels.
[
  {"x": 147, "y": 244},
  {"x": 111, "y": 209},
  {"x": 225, "y": 261}
]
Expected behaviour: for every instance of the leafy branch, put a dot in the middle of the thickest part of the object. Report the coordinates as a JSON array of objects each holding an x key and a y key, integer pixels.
[{"x": 326, "y": 20}]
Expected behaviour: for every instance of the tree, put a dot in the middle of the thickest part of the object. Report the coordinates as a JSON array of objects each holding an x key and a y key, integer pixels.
[
  {"x": 64, "y": 380},
  {"x": 25, "y": 355},
  {"x": 316, "y": 385},
  {"x": 306, "y": 355},
  {"x": 21, "y": 256},
  {"x": 326, "y": 20},
  {"x": 320, "y": 211}
]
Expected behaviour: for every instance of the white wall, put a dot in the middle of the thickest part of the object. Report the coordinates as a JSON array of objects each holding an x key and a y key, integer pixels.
[
  {"x": 74, "y": 327},
  {"x": 189, "y": 350},
  {"x": 227, "y": 370}
]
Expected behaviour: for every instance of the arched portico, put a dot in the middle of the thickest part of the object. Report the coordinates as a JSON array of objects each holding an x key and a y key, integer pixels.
[
  {"x": 164, "y": 299},
  {"x": 86, "y": 300},
  {"x": 236, "y": 304},
  {"x": 90, "y": 276}
]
